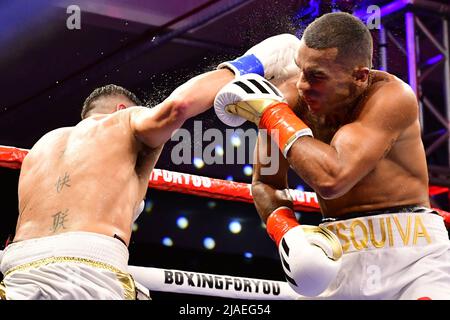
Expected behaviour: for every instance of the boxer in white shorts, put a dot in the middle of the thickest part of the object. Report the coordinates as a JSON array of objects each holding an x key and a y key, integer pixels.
[
  {"x": 402, "y": 253},
  {"x": 353, "y": 135},
  {"x": 80, "y": 189}
]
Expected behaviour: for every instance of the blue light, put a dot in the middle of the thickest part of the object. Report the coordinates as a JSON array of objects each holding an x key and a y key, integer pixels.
[
  {"x": 182, "y": 222},
  {"x": 435, "y": 59},
  {"x": 248, "y": 255},
  {"x": 167, "y": 241},
  {"x": 230, "y": 178},
  {"x": 148, "y": 205},
  {"x": 209, "y": 243},
  {"x": 235, "y": 227},
  {"x": 300, "y": 188}
]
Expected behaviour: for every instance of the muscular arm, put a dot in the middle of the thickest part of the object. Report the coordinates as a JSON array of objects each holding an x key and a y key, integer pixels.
[
  {"x": 155, "y": 126},
  {"x": 332, "y": 170},
  {"x": 270, "y": 190}
]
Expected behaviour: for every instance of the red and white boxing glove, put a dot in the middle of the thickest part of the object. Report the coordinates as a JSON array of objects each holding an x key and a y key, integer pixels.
[
  {"x": 310, "y": 255},
  {"x": 272, "y": 59},
  {"x": 253, "y": 98}
]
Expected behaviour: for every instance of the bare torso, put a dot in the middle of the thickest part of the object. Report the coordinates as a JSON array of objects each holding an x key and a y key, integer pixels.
[
  {"x": 399, "y": 178},
  {"x": 91, "y": 177}
]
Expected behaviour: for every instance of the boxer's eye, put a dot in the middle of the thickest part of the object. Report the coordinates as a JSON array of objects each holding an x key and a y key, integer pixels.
[{"x": 319, "y": 76}]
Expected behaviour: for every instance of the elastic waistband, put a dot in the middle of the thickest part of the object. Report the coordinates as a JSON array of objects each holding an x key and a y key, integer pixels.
[
  {"x": 81, "y": 245},
  {"x": 385, "y": 231},
  {"x": 390, "y": 210}
]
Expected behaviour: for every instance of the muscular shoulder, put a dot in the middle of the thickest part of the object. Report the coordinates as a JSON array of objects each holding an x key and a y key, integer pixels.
[
  {"x": 391, "y": 101},
  {"x": 53, "y": 135},
  {"x": 49, "y": 141}
]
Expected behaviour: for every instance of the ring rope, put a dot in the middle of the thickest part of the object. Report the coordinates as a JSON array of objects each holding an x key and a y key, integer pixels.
[
  {"x": 188, "y": 282},
  {"x": 12, "y": 157}
]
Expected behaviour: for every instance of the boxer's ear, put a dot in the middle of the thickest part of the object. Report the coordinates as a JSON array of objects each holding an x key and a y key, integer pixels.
[
  {"x": 361, "y": 75},
  {"x": 120, "y": 106}
]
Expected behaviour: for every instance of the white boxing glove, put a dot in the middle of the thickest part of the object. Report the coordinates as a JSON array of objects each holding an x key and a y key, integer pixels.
[
  {"x": 311, "y": 256},
  {"x": 251, "y": 97},
  {"x": 272, "y": 59},
  {"x": 242, "y": 99}
]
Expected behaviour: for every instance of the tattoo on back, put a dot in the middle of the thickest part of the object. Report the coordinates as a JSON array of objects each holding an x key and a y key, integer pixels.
[
  {"x": 62, "y": 182},
  {"x": 59, "y": 220}
]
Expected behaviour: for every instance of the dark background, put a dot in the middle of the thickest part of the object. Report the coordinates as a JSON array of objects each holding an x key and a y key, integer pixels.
[{"x": 151, "y": 47}]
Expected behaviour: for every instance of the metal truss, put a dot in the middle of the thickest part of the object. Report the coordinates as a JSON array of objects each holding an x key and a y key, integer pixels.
[{"x": 417, "y": 16}]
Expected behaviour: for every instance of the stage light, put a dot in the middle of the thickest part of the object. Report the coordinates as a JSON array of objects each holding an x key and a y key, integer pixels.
[
  {"x": 209, "y": 243},
  {"x": 182, "y": 222},
  {"x": 198, "y": 163},
  {"x": 212, "y": 204},
  {"x": 148, "y": 205},
  {"x": 219, "y": 150},
  {"x": 235, "y": 227},
  {"x": 167, "y": 241},
  {"x": 235, "y": 140},
  {"x": 248, "y": 170}
]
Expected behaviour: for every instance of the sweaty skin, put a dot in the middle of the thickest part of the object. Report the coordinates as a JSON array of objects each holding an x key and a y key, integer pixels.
[
  {"x": 92, "y": 177},
  {"x": 367, "y": 151}
]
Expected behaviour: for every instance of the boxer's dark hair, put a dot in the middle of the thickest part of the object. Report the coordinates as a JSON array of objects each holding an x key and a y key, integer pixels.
[
  {"x": 108, "y": 90},
  {"x": 346, "y": 33}
]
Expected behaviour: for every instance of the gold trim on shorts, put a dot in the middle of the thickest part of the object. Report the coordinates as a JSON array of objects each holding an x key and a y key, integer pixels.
[{"x": 125, "y": 279}]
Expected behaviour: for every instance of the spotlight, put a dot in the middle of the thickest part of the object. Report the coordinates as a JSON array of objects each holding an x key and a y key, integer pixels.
[
  {"x": 148, "y": 206},
  {"x": 248, "y": 255},
  {"x": 167, "y": 241},
  {"x": 211, "y": 204},
  {"x": 219, "y": 150},
  {"x": 235, "y": 227},
  {"x": 235, "y": 140},
  {"x": 248, "y": 170},
  {"x": 209, "y": 243},
  {"x": 198, "y": 163},
  {"x": 182, "y": 223}
]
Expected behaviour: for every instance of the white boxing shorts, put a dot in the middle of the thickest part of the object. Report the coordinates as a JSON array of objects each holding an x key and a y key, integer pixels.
[
  {"x": 393, "y": 256},
  {"x": 72, "y": 265}
]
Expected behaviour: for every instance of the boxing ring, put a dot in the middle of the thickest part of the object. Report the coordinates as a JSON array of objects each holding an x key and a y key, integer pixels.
[{"x": 188, "y": 282}]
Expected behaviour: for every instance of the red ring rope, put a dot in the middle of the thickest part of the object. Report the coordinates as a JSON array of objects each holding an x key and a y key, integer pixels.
[{"x": 12, "y": 157}]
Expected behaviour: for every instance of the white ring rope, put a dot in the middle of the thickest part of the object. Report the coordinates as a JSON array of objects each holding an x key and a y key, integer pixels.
[{"x": 188, "y": 282}]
